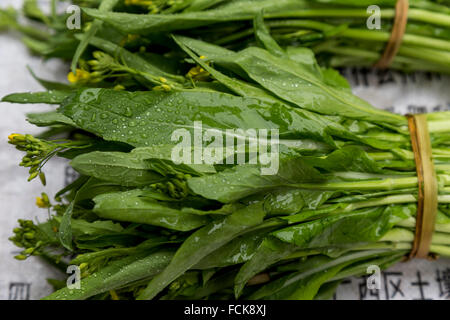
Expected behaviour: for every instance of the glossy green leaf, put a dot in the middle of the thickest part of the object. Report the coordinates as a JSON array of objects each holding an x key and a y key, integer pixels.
[
  {"x": 360, "y": 226},
  {"x": 48, "y": 119},
  {"x": 244, "y": 180},
  {"x": 49, "y": 97},
  {"x": 105, "y": 6},
  {"x": 130, "y": 206},
  {"x": 122, "y": 168},
  {"x": 203, "y": 242},
  {"x": 117, "y": 274}
]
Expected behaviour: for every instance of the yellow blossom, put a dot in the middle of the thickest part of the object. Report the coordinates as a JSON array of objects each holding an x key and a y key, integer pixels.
[
  {"x": 163, "y": 87},
  {"x": 129, "y": 38},
  {"x": 83, "y": 265},
  {"x": 80, "y": 76},
  {"x": 166, "y": 87},
  {"x": 119, "y": 87},
  {"x": 40, "y": 202},
  {"x": 43, "y": 201},
  {"x": 13, "y": 136},
  {"x": 198, "y": 73}
]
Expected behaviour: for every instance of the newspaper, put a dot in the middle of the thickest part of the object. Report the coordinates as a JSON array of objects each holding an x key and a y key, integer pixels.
[{"x": 417, "y": 92}]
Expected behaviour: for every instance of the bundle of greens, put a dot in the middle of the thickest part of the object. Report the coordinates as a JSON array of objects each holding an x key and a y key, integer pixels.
[
  {"x": 341, "y": 32},
  {"x": 142, "y": 225}
]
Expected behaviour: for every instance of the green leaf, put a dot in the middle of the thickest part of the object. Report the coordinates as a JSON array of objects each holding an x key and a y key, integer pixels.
[
  {"x": 234, "y": 252},
  {"x": 134, "y": 61},
  {"x": 333, "y": 78},
  {"x": 308, "y": 288},
  {"x": 65, "y": 232},
  {"x": 229, "y": 11},
  {"x": 94, "y": 187},
  {"x": 131, "y": 206},
  {"x": 164, "y": 153},
  {"x": 244, "y": 180},
  {"x": 310, "y": 273},
  {"x": 65, "y": 229},
  {"x": 49, "y": 97},
  {"x": 306, "y": 58},
  {"x": 287, "y": 201},
  {"x": 213, "y": 52},
  {"x": 203, "y": 242},
  {"x": 200, "y": 5},
  {"x": 8, "y": 18},
  {"x": 264, "y": 38},
  {"x": 83, "y": 227},
  {"x": 105, "y": 6},
  {"x": 125, "y": 169},
  {"x": 357, "y": 227},
  {"x": 296, "y": 84},
  {"x": 116, "y": 275},
  {"x": 48, "y": 119},
  {"x": 348, "y": 158},
  {"x": 49, "y": 85},
  {"x": 269, "y": 252},
  {"x": 150, "y": 118},
  {"x": 31, "y": 10},
  {"x": 230, "y": 60}
]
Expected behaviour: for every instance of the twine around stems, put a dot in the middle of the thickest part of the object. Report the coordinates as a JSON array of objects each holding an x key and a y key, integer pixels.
[
  {"x": 427, "y": 202},
  {"x": 397, "y": 33}
]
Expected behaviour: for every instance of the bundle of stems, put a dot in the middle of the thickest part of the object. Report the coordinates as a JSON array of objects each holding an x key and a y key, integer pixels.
[
  {"x": 313, "y": 184},
  {"x": 341, "y": 33}
]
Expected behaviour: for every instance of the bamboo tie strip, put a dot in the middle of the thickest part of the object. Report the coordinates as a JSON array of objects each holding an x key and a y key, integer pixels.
[
  {"x": 397, "y": 33},
  {"x": 427, "y": 202}
]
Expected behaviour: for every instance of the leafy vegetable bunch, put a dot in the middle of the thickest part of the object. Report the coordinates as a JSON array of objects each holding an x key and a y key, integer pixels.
[
  {"x": 142, "y": 226},
  {"x": 340, "y": 32}
]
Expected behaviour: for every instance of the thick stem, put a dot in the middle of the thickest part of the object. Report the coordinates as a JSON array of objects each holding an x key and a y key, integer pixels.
[
  {"x": 413, "y": 15},
  {"x": 386, "y": 184}
]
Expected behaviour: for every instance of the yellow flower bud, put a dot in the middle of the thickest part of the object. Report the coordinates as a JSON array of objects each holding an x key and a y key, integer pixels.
[
  {"x": 119, "y": 87},
  {"x": 114, "y": 295},
  {"x": 16, "y": 137},
  {"x": 83, "y": 265},
  {"x": 41, "y": 203},
  {"x": 166, "y": 87},
  {"x": 81, "y": 75}
]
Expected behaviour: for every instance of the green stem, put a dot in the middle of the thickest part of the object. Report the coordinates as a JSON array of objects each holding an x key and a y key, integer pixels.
[
  {"x": 411, "y": 223},
  {"x": 387, "y": 184},
  {"x": 33, "y": 32},
  {"x": 413, "y": 15},
  {"x": 436, "y": 56},
  {"x": 365, "y": 35},
  {"x": 439, "y": 126},
  {"x": 405, "y": 235},
  {"x": 235, "y": 36}
]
